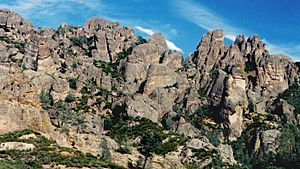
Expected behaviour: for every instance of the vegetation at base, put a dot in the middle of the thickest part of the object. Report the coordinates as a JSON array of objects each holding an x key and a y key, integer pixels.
[
  {"x": 287, "y": 155},
  {"x": 61, "y": 112},
  {"x": 121, "y": 132},
  {"x": 292, "y": 96},
  {"x": 46, "y": 153},
  {"x": 216, "y": 158},
  {"x": 70, "y": 98}
]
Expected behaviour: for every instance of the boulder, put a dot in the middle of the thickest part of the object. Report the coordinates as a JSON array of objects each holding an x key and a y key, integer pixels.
[{"x": 16, "y": 146}]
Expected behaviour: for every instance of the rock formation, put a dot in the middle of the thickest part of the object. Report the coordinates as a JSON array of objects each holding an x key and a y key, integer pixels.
[{"x": 80, "y": 85}]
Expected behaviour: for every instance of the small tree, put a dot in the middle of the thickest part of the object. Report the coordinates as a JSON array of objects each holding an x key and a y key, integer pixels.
[
  {"x": 150, "y": 141},
  {"x": 69, "y": 98},
  {"x": 46, "y": 99},
  {"x": 79, "y": 121},
  {"x": 105, "y": 150},
  {"x": 61, "y": 112},
  {"x": 72, "y": 83}
]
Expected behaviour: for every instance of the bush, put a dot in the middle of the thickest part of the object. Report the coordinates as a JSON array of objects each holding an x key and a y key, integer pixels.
[
  {"x": 201, "y": 92},
  {"x": 105, "y": 156},
  {"x": 60, "y": 114},
  {"x": 46, "y": 99},
  {"x": 81, "y": 40},
  {"x": 109, "y": 68},
  {"x": 69, "y": 98},
  {"x": 213, "y": 138},
  {"x": 292, "y": 96},
  {"x": 123, "y": 54},
  {"x": 72, "y": 83},
  {"x": 214, "y": 73},
  {"x": 144, "y": 128},
  {"x": 196, "y": 119},
  {"x": 84, "y": 90},
  {"x": 74, "y": 65},
  {"x": 13, "y": 43}
]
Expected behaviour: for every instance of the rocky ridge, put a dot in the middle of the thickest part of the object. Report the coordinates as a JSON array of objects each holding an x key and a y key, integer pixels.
[{"x": 81, "y": 85}]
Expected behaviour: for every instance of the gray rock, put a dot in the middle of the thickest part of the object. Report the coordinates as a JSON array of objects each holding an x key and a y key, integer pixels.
[
  {"x": 143, "y": 106},
  {"x": 16, "y": 146}
]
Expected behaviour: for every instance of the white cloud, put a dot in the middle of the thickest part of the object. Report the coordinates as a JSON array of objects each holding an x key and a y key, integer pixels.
[
  {"x": 144, "y": 30},
  {"x": 287, "y": 49},
  {"x": 172, "y": 46},
  {"x": 150, "y": 32},
  {"x": 205, "y": 18},
  {"x": 47, "y": 9}
]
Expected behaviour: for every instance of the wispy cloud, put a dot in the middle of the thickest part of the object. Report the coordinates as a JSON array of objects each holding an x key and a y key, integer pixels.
[
  {"x": 53, "y": 12},
  {"x": 287, "y": 49},
  {"x": 171, "y": 45},
  {"x": 207, "y": 19}
]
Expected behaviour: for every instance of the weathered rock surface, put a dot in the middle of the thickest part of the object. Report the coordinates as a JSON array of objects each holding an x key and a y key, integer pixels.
[
  {"x": 85, "y": 72},
  {"x": 16, "y": 146}
]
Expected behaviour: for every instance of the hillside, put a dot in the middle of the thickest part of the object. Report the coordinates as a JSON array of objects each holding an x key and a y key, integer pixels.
[{"x": 101, "y": 96}]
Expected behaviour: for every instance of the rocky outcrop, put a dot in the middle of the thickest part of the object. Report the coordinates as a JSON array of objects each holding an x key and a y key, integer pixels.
[
  {"x": 67, "y": 84},
  {"x": 16, "y": 146},
  {"x": 243, "y": 74}
]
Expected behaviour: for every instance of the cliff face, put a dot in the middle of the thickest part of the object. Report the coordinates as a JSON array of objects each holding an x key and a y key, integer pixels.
[{"x": 82, "y": 85}]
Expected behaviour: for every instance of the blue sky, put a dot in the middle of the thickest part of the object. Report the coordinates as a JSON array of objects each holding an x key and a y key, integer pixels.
[{"x": 182, "y": 22}]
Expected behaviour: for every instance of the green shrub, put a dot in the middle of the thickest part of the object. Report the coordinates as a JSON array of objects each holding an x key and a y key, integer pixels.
[
  {"x": 214, "y": 73},
  {"x": 61, "y": 113},
  {"x": 121, "y": 132},
  {"x": 192, "y": 166},
  {"x": 69, "y": 98},
  {"x": 124, "y": 54},
  {"x": 201, "y": 92},
  {"x": 196, "y": 119},
  {"x": 74, "y": 65},
  {"x": 81, "y": 40},
  {"x": 12, "y": 42},
  {"x": 213, "y": 138},
  {"x": 109, "y": 68},
  {"x": 46, "y": 99},
  {"x": 105, "y": 156},
  {"x": 292, "y": 96},
  {"x": 84, "y": 90},
  {"x": 72, "y": 83}
]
